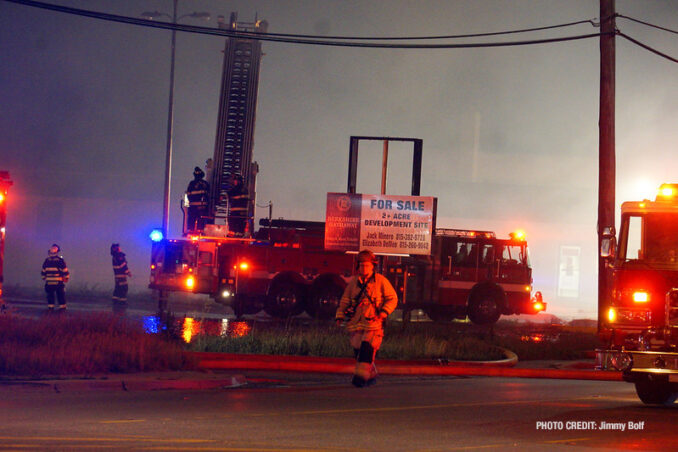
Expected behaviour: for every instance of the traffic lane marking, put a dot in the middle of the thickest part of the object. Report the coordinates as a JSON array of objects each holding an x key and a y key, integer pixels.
[
  {"x": 147, "y": 444},
  {"x": 425, "y": 407}
]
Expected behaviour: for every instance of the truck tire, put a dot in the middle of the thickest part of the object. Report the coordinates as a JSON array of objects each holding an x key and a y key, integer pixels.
[
  {"x": 324, "y": 298},
  {"x": 285, "y": 299},
  {"x": 484, "y": 307},
  {"x": 656, "y": 390}
]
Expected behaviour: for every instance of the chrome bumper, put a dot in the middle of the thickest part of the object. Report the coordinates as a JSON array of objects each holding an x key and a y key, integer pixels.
[{"x": 638, "y": 361}]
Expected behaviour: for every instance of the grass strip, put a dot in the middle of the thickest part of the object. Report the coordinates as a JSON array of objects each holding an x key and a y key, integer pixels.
[{"x": 87, "y": 344}]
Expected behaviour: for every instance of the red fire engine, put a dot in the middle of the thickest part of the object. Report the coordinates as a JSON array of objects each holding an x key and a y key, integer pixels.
[
  {"x": 641, "y": 328},
  {"x": 284, "y": 268}
]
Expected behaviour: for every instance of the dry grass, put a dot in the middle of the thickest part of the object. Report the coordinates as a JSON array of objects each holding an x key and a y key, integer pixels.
[
  {"x": 325, "y": 340},
  {"x": 74, "y": 344}
]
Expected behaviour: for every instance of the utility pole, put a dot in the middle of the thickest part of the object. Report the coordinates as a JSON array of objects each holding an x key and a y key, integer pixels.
[{"x": 606, "y": 150}]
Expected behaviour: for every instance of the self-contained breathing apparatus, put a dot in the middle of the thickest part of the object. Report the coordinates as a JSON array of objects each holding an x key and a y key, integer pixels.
[{"x": 349, "y": 312}]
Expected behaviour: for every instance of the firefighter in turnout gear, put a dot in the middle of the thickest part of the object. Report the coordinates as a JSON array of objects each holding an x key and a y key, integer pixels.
[
  {"x": 121, "y": 273},
  {"x": 55, "y": 273},
  {"x": 367, "y": 300},
  {"x": 197, "y": 193},
  {"x": 238, "y": 199}
]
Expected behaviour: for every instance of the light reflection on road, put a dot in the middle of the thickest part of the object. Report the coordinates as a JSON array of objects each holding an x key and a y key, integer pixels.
[{"x": 189, "y": 328}]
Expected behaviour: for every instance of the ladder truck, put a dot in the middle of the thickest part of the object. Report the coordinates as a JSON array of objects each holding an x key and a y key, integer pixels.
[{"x": 285, "y": 267}]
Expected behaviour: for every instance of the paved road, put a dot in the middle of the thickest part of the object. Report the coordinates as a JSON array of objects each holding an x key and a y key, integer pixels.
[
  {"x": 322, "y": 412},
  {"x": 197, "y": 306}
]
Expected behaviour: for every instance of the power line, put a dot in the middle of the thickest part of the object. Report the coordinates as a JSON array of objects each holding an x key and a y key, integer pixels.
[
  {"x": 646, "y": 47},
  {"x": 434, "y": 37},
  {"x": 647, "y": 23},
  {"x": 295, "y": 40}
]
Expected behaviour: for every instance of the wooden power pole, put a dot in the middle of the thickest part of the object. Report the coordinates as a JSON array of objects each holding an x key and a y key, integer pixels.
[{"x": 606, "y": 151}]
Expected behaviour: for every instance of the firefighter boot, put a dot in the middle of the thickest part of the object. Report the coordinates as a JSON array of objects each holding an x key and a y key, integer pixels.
[{"x": 364, "y": 368}]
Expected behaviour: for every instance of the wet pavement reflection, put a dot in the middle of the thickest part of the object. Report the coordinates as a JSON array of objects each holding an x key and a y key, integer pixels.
[{"x": 189, "y": 328}]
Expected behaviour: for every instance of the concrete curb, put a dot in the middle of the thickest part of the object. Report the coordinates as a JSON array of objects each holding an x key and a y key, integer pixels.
[
  {"x": 503, "y": 368},
  {"x": 134, "y": 382}
]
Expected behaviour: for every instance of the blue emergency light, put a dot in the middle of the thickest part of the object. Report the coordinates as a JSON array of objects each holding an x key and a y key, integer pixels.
[{"x": 156, "y": 235}]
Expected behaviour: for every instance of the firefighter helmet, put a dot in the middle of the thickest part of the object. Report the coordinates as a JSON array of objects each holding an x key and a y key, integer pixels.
[
  {"x": 53, "y": 250},
  {"x": 199, "y": 173},
  {"x": 115, "y": 248},
  {"x": 367, "y": 256}
]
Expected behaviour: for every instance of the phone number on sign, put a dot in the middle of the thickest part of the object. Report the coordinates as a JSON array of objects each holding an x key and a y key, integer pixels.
[
  {"x": 420, "y": 237},
  {"x": 413, "y": 245}
]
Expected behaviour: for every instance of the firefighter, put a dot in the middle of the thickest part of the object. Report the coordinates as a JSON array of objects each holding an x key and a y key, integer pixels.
[
  {"x": 121, "y": 273},
  {"x": 197, "y": 193},
  {"x": 367, "y": 300},
  {"x": 55, "y": 273},
  {"x": 238, "y": 199}
]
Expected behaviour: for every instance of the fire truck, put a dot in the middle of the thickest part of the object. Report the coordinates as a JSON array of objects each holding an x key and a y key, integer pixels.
[
  {"x": 284, "y": 267},
  {"x": 285, "y": 270},
  {"x": 641, "y": 325}
]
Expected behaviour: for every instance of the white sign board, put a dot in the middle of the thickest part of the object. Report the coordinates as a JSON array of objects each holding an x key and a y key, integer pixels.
[{"x": 384, "y": 224}]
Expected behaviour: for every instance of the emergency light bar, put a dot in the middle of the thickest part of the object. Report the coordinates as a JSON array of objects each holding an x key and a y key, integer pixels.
[
  {"x": 465, "y": 233},
  {"x": 517, "y": 235},
  {"x": 667, "y": 192}
]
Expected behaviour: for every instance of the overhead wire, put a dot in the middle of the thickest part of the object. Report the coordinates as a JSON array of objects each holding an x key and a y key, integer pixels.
[
  {"x": 645, "y": 46},
  {"x": 434, "y": 37},
  {"x": 311, "y": 40},
  {"x": 348, "y": 41},
  {"x": 647, "y": 23}
]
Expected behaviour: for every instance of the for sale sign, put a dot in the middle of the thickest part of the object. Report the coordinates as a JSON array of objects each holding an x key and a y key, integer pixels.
[{"x": 384, "y": 224}]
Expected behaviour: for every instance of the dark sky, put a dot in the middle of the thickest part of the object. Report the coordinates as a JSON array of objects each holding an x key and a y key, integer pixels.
[{"x": 510, "y": 134}]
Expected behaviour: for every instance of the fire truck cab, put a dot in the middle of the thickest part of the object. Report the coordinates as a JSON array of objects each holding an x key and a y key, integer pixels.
[
  {"x": 641, "y": 324},
  {"x": 475, "y": 274}
]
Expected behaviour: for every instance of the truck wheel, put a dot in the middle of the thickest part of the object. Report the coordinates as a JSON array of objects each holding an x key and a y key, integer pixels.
[
  {"x": 285, "y": 299},
  {"x": 656, "y": 391},
  {"x": 483, "y": 308},
  {"x": 324, "y": 299}
]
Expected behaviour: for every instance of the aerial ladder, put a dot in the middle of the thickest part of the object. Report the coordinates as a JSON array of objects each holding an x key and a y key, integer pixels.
[{"x": 236, "y": 119}]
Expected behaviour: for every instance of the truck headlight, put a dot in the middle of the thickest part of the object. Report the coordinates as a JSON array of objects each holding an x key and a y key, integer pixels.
[
  {"x": 611, "y": 315},
  {"x": 621, "y": 361}
]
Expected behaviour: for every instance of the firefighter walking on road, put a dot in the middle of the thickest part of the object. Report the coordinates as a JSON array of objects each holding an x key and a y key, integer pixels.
[
  {"x": 121, "y": 273},
  {"x": 367, "y": 300},
  {"x": 55, "y": 274}
]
